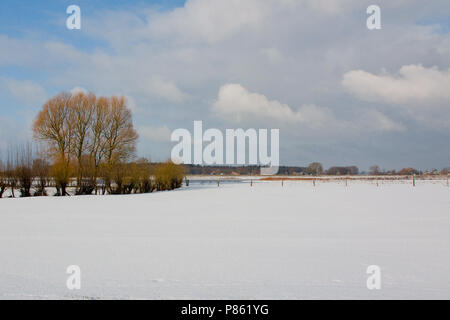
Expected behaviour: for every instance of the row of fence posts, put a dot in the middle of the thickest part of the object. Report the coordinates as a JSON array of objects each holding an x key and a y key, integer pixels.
[
  {"x": 346, "y": 181},
  {"x": 314, "y": 182},
  {"x": 282, "y": 182}
]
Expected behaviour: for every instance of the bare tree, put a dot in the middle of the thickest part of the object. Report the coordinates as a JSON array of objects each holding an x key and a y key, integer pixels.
[
  {"x": 98, "y": 145},
  {"x": 10, "y": 172},
  {"x": 54, "y": 126},
  {"x": 82, "y": 109},
  {"x": 315, "y": 168},
  {"x": 375, "y": 170},
  {"x": 85, "y": 135},
  {"x": 24, "y": 169},
  {"x": 120, "y": 136},
  {"x": 41, "y": 170}
]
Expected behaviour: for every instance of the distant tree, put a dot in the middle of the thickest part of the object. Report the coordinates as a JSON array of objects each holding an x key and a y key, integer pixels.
[
  {"x": 315, "y": 168},
  {"x": 375, "y": 170},
  {"x": 354, "y": 170},
  {"x": 351, "y": 170},
  {"x": 334, "y": 171},
  {"x": 408, "y": 171}
]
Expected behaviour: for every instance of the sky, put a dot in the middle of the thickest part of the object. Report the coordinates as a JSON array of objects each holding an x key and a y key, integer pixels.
[{"x": 339, "y": 93}]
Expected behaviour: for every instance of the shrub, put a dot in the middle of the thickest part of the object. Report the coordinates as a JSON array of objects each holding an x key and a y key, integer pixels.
[
  {"x": 41, "y": 170},
  {"x": 61, "y": 172},
  {"x": 144, "y": 174},
  {"x": 169, "y": 176}
]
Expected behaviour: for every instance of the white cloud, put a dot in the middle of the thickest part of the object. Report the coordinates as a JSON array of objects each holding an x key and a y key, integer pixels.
[
  {"x": 330, "y": 6},
  {"x": 238, "y": 105},
  {"x": 158, "y": 134},
  {"x": 375, "y": 121},
  {"x": 165, "y": 89},
  {"x": 26, "y": 92},
  {"x": 413, "y": 85},
  {"x": 212, "y": 20}
]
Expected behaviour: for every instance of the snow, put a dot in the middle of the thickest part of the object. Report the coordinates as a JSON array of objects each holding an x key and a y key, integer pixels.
[{"x": 268, "y": 241}]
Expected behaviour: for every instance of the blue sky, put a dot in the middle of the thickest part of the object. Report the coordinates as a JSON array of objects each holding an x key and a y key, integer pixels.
[{"x": 339, "y": 93}]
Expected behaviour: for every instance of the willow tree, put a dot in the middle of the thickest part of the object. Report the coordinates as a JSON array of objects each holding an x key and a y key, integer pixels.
[
  {"x": 98, "y": 141},
  {"x": 82, "y": 113},
  {"x": 120, "y": 137},
  {"x": 55, "y": 127},
  {"x": 83, "y": 132}
]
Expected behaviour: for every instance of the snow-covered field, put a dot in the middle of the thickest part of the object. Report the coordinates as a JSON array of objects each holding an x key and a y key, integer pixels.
[{"x": 231, "y": 242}]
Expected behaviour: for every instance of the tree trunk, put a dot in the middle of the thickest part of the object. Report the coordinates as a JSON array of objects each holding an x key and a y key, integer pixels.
[{"x": 63, "y": 190}]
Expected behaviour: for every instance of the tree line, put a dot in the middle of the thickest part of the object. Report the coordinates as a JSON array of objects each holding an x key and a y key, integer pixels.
[
  {"x": 313, "y": 169},
  {"x": 316, "y": 168},
  {"x": 87, "y": 142}
]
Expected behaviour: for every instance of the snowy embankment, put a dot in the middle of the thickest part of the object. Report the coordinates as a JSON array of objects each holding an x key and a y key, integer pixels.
[{"x": 235, "y": 241}]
